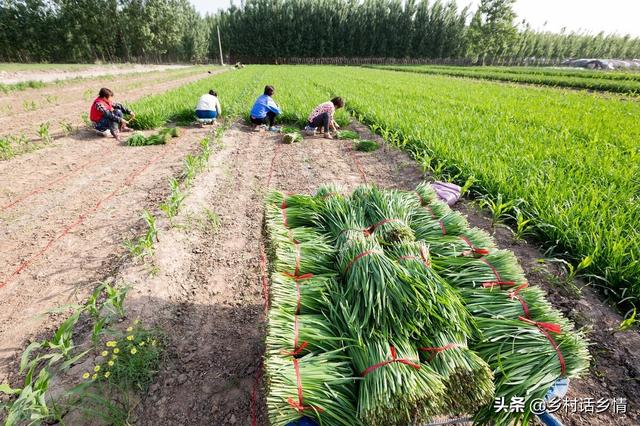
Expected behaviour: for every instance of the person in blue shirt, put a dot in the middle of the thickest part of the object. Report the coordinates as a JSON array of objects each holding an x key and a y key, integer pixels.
[{"x": 265, "y": 110}]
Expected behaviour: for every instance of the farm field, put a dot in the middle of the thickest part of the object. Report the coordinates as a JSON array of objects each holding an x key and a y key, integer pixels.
[
  {"x": 34, "y": 118},
  {"x": 202, "y": 282},
  {"x": 611, "y": 81}
]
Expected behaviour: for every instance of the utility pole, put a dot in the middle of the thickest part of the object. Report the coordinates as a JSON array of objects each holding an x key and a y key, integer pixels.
[{"x": 220, "y": 45}]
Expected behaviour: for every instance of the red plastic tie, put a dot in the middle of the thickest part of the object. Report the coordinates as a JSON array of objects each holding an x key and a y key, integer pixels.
[
  {"x": 493, "y": 269},
  {"x": 514, "y": 295},
  {"x": 373, "y": 227},
  {"x": 425, "y": 256},
  {"x": 360, "y": 256},
  {"x": 545, "y": 328},
  {"x": 422, "y": 201},
  {"x": 299, "y": 404},
  {"x": 436, "y": 350},
  {"x": 474, "y": 249},
  {"x": 283, "y": 209},
  {"x": 394, "y": 358}
]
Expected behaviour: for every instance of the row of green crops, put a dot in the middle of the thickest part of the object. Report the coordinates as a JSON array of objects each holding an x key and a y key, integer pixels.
[
  {"x": 366, "y": 327},
  {"x": 611, "y": 82}
]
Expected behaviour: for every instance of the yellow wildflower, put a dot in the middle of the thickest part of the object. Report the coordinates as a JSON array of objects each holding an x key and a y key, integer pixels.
[
  {"x": 86, "y": 375},
  {"x": 136, "y": 322},
  {"x": 95, "y": 376},
  {"x": 130, "y": 337},
  {"x": 141, "y": 343},
  {"x": 116, "y": 350},
  {"x": 134, "y": 351},
  {"x": 129, "y": 330},
  {"x": 96, "y": 368},
  {"x": 111, "y": 344},
  {"x": 110, "y": 363},
  {"x": 107, "y": 374},
  {"x": 104, "y": 353},
  {"x": 153, "y": 342}
]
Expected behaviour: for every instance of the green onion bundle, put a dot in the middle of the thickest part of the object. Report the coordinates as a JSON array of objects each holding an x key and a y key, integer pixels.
[
  {"x": 293, "y": 334},
  {"x": 327, "y": 191},
  {"x": 426, "y": 194},
  {"x": 365, "y": 145},
  {"x": 511, "y": 303},
  {"x": 499, "y": 268},
  {"x": 467, "y": 378},
  {"x": 326, "y": 392},
  {"x": 388, "y": 213},
  {"x": 427, "y": 226},
  {"x": 294, "y": 210},
  {"x": 292, "y": 137},
  {"x": 348, "y": 134},
  {"x": 341, "y": 219},
  {"x": 394, "y": 390},
  {"x": 472, "y": 242},
  {"x": 312, "y": 298},
  {"x": 308, "y": 257},
  {"x": 525, "y": 362},
  {"x": 435, "y": 301},
  {"x": 371, "y": 284}
]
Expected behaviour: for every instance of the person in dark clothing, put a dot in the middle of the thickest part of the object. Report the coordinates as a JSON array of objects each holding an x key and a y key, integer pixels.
[{"x": 109, "y": 115}]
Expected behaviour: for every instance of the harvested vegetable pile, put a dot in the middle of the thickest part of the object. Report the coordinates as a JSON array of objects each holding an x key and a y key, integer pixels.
[
  {"x": 386, "y": 308},
  {"x": 162, "y": 137},
  {"x": 366, "y": 145}
]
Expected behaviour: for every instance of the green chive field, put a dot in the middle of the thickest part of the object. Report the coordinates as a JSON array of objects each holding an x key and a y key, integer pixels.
[{"x": 620, "y": 82}]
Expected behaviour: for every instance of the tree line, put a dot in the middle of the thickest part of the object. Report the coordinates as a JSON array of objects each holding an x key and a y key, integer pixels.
[{"x": 269, "y": 30}]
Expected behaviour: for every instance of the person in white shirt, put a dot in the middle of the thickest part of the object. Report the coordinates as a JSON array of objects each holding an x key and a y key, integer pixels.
[{"x": 208, "y": 107}]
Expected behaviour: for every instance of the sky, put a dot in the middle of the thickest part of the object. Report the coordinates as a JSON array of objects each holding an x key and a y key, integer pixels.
[{"x": 619, "y": 16}]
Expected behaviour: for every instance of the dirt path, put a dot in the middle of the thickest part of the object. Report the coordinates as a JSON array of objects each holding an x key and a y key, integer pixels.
[
  {"x": 23, "y": 112},
  {"x": 58, "y": 243},
  {"x": 54, "y": 73},
  {"x": 208, "y": 293}
]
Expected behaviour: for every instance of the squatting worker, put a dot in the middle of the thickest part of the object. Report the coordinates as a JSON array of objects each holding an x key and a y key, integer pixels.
[
  {"x": 208, "y": 107},
  {"x": 321, "y": 118},
  {"x": 109, "y": 115},
  {"x": 265, "y": 110}
]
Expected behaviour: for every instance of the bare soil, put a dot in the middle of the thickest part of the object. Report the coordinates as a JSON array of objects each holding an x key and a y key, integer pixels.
[
  {"x": 60, "y": 73},
  {"x": 204, "y": 285},
  {"x": 22, "y": 112}
]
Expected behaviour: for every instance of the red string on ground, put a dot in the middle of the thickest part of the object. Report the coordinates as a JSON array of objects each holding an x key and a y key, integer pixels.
[
  {"x": 59, "y": 179},
  {"x": 394, "y": 358},
  {"x": 81, "y": 219},
  {"x": 254, "y": 396},
  {"x": 273, "y": 163},
  {"x": 363, "y": 175}
]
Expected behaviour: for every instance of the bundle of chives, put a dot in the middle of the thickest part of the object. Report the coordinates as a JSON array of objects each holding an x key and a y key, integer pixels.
[
  {"x": 338, "y": 216},
  {"x": 388, "y": 213},
  {"x": 472, "y": 242},
  {"x": 527, "y": 358},
  {"x": 467, "y": 378},
  {"x": 328, "y": 191},
  {"x": 425, "y": 194},
  {"x": 439, "y": 305},
  {"x": 279, "y": 235},
  {"x": 528, "y": 302},
  {"x": 395, "y": 388},
  {"x": 295, "y": 334},
  {"x": 295, "y": 210},
  {"x": 319, "y": 386},
  {"x": 427, "y": 226},
  {"x": 306, "y": 296},
  {"x": 299, "y": 259},
  {"x": 497, "y": 269},
  {"x": 370, "y": 283}
]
